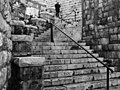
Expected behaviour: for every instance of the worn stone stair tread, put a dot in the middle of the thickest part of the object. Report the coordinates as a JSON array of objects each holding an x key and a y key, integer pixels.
[
  {"x": 59, "y": 44},
  {"x": 56, "y": 43},
  {"x": 89, "y": 79},
  {"x": 83, "y": 86},
  {"x": 63, "y": 52},
  {"x": 59, "y": 51},
  {"x": 96, "y": 84},
  {"x": 117, "y": 87},
  {"x": 64, "y": 48},
  {"x": 67, "y": 73},
  {"x": 71, "y": 61},
  {"x": 72, "y": 66},
  {"x": 34, "y": 52},
  {"x": 68, "y": 56},
  {"x": 58, "y": 48}
]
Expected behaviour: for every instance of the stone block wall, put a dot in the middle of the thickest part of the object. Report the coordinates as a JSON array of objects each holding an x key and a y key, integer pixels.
[
  {"x": 66, "y": 7},
  {"x": 5, "y": 43},
  {"x": 101, "y": 20}
]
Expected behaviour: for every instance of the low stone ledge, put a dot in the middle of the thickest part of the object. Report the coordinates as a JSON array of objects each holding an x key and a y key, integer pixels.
[
  {"x": 17, "y": 23},
  {"x": 23, "y": 37},
  {"x": 29, "y": 61}
]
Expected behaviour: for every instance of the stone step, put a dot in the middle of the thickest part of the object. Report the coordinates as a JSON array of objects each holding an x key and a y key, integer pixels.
[
  {"x": 55, "y": 43},
  {"x": 95, "y": 84},
  {"x": 66, "y": 73},
  {"x": 62, "y": 38},
  {"x": 84, "y": 86},
  {"x": 65, "y": 51},
  {"x": 91, "y": 79},
  {"x": 62, "y": 47},
  {"x": 71, "y": 61},
  {"x": 48, "y": 52},
  {"x": 71, "y": 66},
  {"x": 68, "y": 56},
  {"x": 117, "y": 87}
]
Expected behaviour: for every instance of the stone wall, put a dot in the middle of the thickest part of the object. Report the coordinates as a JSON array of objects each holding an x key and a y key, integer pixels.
[
  {"x": 67, "y": 7},
  {"x": 5, "y": 43},
  {"x": 73, "y": 30},
  {"x": 102, "y": 28}
]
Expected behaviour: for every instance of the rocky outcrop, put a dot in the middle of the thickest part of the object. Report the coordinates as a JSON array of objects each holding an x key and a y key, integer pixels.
[{"x": 5, "y": 43}]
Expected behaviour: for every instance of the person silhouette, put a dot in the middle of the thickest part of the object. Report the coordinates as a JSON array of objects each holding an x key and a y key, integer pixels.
[{"x": 57, "y": 9}]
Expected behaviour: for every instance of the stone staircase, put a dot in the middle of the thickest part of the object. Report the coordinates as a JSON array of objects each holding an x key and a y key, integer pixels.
[{"x": 68, "y": 67}]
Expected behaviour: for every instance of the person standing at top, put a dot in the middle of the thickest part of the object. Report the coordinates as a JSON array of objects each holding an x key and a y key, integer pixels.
[{"x": 57, "y": 8}]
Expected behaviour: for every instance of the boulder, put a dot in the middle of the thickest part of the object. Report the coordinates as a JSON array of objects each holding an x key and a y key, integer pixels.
[{"x": 3, "y": 25}]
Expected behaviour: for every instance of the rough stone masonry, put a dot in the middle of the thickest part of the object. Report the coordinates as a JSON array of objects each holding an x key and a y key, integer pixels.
[{"x": 5, "y": 43}]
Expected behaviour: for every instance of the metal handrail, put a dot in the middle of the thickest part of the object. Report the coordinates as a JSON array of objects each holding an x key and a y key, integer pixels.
[{"x": 84, "y": 49}]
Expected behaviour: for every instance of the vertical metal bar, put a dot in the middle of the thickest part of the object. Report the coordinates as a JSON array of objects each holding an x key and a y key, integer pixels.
[
  {"x": 51, "y": 26},
  {"x": 82, "y": 18},
  {"x": 107, "y": 79},
  {"x": 75, "y": 16}
]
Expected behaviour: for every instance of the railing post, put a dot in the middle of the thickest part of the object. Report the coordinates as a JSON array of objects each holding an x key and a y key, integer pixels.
[
  {"x": 82, "y": 18},
  {"x": 108, "y": 72},
  {"x": 51, "y": 33},
  {"x": 108, "y": 79}
]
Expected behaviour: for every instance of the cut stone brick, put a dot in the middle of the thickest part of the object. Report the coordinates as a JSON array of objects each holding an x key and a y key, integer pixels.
[
  {"x": 89, "y": 71},
  {"x": 56, "y": 81},
  {"x": 75, "y": 66},
  {"x": 99, "y": 77},
  {"x": 65, "y": 73},
  {"x": 47, "y": 82},
  {"x": 53, "y": 74},
  {"x": 75, "y": 87},
  {"x": 59, "y": 61},
  {"x": 55, "y": 67},
  {"x": 83, "y": 78},
  {"x": 55, "y": 88},
  {"x": 62, "y": 81},
  {"x": 67, "y": 61},
  {"x": 76, "y": 61}
]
